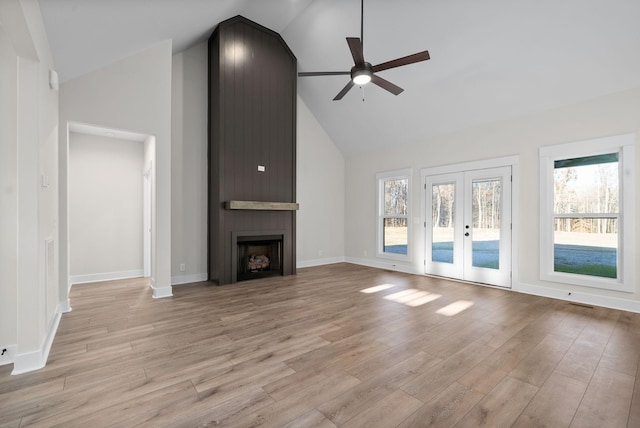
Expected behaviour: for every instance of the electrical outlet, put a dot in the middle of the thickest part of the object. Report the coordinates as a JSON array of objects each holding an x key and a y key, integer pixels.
[{"x": 183, "y": 267}]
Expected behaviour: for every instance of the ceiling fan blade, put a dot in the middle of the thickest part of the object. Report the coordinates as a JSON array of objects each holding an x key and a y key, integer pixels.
[
  {"x": 385, "y": 84},
  {"x": 323, "y": 73},
  {"x": 405, "y": 60},
  {"x": 356, "y": 50},
  {"x": 344, "y": 90}
]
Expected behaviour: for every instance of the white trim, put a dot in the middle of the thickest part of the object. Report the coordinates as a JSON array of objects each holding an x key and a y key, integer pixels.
[
  {"x": 189, "y": 279},
  {"x": 578, "y": 297},
  {"x": 622, "y": 144},
  {"x": 65, "y": 306},
  {"x": 37, "y": 359},
  {"x": 146, "y": 221},
  {"x": 107, "y": 276},
  {"x": 473, "y": 165},
  {"x": 28, "y": 361},
  {"x": 596, "y": 146},
  {"x": 161, "y": 292},
  {"x": 406, "y": 173},
  {"x": 505, "y": 161},
  {"x": 386, "y": 265},
  {"x": 319, "y": 262}
]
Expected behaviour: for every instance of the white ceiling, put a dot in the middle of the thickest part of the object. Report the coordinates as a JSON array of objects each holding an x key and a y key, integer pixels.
[{"x": 490, "y": 60}]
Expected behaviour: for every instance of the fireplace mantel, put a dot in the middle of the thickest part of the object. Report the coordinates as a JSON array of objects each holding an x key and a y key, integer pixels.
[{"x": 259, "y": 205}]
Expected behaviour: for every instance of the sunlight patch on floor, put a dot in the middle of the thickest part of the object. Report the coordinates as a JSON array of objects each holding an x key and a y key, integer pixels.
[
  {"x": 412, "y": 297},
  {"x": 455, "y": 308},
  {"x": 377, "y": 288}
]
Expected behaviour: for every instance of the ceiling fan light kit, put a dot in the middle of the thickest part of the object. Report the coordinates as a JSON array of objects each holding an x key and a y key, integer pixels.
[
  {"x": 363, "y": 72},
  {"x": 362, "y": 75}
]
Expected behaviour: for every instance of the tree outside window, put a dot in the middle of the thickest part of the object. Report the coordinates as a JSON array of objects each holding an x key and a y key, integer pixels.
[
  {"x": 586, "y": 213},
  {"x": 393, "y": 219}
]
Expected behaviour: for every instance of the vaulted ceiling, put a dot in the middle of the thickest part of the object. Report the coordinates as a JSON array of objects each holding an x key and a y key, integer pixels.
[{"x": 490, "y": 60}]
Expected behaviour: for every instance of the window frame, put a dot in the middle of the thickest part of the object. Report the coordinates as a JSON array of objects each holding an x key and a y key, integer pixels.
[
  {"x": 381, "y": 178},
  {"x": 624, "y": 146}
]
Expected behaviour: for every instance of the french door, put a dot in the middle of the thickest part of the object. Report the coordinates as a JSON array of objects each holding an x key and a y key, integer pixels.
[{"x": 468, "y": 225}]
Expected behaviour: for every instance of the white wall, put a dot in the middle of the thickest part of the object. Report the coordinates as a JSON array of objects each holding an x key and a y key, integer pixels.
[
  {"x": 610, "y": 115},
  {"x": 8, "y": 191},
  {"x": 133, "y": 94},
  {"x": 189, "y": 177},
  {"x": 29, "y": 115},
  {"x": 320, "y": 188},
  {"x": 105, "y": 208}
]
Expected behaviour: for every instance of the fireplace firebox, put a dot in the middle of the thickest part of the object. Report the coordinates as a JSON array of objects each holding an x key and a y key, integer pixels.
[{"x": 259, "y": 256}]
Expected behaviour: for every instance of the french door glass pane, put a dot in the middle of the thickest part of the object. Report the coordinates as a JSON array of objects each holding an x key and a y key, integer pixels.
[
  {"x": 486, "y": 223},
  {"x": 395, "y": 237},
  {"x": 586, "y": 246},
  {"x": 443, "y": 215}
]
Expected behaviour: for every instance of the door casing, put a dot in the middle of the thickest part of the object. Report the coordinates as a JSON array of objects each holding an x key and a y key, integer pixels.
[{"x": 455, "y": 174}]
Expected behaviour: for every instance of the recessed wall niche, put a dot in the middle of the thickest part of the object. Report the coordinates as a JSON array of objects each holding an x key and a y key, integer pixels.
[{"x": 252, "y": 143}]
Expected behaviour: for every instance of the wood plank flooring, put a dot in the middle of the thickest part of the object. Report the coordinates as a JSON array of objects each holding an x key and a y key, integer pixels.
[{"x": 334, "y": 346}]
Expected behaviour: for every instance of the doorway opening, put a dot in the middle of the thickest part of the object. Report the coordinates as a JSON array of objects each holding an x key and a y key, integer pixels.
[
  {"x": 468, "y": 222},
  {"x": 118, "y": 227}
]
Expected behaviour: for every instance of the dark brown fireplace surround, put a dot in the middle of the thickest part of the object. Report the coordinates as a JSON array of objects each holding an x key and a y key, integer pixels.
[{"x": 252, "y": 153}]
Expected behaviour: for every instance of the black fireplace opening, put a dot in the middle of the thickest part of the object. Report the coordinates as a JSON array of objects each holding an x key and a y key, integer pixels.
[{"x": 259, "y": 256}]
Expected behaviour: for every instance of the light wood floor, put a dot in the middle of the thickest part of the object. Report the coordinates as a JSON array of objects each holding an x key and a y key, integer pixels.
[{"x": 339, "y": 345}]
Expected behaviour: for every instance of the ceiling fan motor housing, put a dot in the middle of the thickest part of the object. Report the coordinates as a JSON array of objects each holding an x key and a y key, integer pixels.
[{"x": 361, "y": 74}]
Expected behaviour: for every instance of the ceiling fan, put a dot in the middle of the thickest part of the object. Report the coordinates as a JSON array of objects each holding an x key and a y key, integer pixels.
[{"x": 363, "y": 72}]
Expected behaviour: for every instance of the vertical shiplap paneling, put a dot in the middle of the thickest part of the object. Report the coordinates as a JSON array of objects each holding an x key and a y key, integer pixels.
[{"x": 252, "y": 122}]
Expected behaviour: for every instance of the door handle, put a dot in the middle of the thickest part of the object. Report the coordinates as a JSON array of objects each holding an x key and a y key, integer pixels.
[{"x": 466, "y": 234}]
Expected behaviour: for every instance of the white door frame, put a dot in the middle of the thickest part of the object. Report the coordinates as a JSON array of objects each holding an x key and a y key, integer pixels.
[
  {"x": 146, "y": 222},
  {"x": 510, "y": 161}
]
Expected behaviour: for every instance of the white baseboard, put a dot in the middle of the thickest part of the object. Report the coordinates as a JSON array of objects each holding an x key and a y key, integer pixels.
[
  {"x": 388, "y": 265},
  {"x": 106, "y": 276},
  {"x": 578, "y": 297},
  {"x": 34, "y": 360},
  {"x": 189, "y": 279},
  {"x": 161, "y": 292},
  {"x": 319, "y": 262},
  {"x": 65, "y": 306}
]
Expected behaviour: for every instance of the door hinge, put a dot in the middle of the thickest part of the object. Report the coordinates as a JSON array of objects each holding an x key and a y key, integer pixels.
[
  {"x": 425, "y": 224},
  {"x": 425, "y": 186}
]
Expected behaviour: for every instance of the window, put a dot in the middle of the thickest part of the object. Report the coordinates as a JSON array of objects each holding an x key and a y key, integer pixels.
[
  {"x": 393, "y": 214},
  {"x": 586, "y": 196}
]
